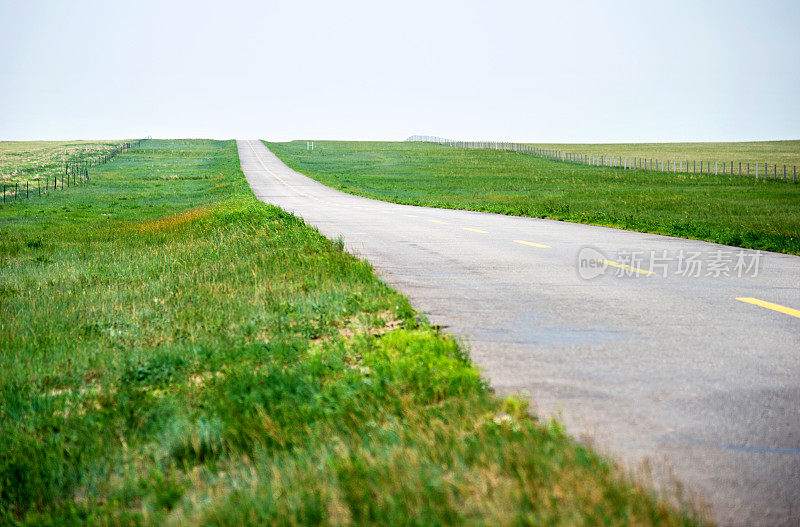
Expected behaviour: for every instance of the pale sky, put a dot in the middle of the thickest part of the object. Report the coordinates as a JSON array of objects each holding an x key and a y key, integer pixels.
[{"x": 568, "y": 71}]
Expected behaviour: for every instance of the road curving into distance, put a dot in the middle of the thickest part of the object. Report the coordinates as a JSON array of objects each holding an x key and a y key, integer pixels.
[{"x": 681, "y": 354}]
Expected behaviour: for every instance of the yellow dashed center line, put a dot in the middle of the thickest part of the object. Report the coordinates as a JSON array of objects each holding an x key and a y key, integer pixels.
[
  {"x": 626, "y": 267},
  {"x": 770, "y": 305},
  {"x": 276, "y": 176},
  {"x": 540, "y": 245}
]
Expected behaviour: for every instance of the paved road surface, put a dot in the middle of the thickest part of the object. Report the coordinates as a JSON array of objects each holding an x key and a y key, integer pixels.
[{"x": 649, "y": 360}]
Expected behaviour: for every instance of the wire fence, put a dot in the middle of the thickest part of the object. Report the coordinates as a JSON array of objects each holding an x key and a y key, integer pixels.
[
  {"x": 76, "y": 172},
  {"x": 767, "y": 171}
]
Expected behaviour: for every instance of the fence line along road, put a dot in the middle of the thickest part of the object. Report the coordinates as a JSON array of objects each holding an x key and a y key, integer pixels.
[
  {"x": 76, "y": 172},
  {"x": 773, "y": 171}
]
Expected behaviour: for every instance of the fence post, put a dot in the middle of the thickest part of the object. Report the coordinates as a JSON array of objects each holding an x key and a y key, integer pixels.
[
  {"x": 28, "y": 190},
  {"x": 784, "y": 172},
  {"x": 756, "y": 170},
  {"x": 39, "y": 186}
]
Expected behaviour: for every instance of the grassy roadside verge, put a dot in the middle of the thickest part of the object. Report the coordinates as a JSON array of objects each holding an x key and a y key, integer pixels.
[
  {"x": 734, "y": 211},
  {"x": 175, "y": 352}
]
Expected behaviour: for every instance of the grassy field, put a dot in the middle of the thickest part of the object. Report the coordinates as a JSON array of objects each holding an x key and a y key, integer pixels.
[
  {"x": 22, "y": 161},
  {"x": 175, "y": 352},
  {"x": 734, "y": 211},
  {"x": 754, "y": 152}
]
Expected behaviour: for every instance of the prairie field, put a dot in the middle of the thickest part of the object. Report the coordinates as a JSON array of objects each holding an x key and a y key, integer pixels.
[
  {"x": 30, "y": 160},
  {"x": 176, "y": 352},
  {"x": 730, "y": 210},
  {"x": 773, "y": 153}
]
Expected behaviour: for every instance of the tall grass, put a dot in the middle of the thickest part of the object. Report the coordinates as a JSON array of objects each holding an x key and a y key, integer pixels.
[{"x": 175, "y": 352}]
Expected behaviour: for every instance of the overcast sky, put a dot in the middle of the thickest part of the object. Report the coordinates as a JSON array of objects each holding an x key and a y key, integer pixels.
[{"x": 525, "y": 71}]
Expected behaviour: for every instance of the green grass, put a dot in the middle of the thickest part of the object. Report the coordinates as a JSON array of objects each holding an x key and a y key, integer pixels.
[
  {"x": 35, "y": 162},
  {"x": 754, "y": 152},
  {"x": 734, "y": 211},
  {"x": 174, "y": 351}
]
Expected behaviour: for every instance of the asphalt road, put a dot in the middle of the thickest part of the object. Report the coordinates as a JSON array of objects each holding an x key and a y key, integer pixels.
[{"x": 637, "y": 341}]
